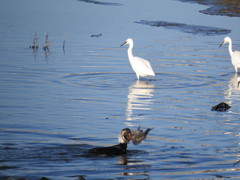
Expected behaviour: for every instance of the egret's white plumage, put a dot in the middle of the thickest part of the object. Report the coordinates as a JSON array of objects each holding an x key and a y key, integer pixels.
[
  {"x": 235, "y": 55},
  {"x": 140, "y": 66}
]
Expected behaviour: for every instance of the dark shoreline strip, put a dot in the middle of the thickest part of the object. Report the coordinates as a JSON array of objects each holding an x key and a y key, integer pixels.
[{"x": 186, "y": 28}]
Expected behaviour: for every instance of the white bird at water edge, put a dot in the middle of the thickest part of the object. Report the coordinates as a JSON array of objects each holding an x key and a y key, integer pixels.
[
  {"x": 235, "y": 55},
  {"x": 140, "y": 66}
]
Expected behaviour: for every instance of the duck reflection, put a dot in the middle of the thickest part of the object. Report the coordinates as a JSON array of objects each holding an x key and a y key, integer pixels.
[
  {"x": 140, "y": 97},
  {"x": 134, "y": 167}
]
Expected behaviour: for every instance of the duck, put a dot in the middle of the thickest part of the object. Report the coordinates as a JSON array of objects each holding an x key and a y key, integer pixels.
[
  {"x": 139, "y": 135},
  {"x": 124, "y": 138}
]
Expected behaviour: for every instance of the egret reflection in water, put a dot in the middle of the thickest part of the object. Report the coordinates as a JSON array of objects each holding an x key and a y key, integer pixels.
[
  {"x": 140, "y": 99},
  {"x": 233, "y": 91}
]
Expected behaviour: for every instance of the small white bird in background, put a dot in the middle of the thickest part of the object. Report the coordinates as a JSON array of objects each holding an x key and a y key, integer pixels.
[
  {"x": 140, "y": 66},
  {"x": 235, "y": 56}
]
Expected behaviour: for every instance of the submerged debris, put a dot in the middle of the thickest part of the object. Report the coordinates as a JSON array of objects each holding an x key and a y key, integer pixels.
[
  {"x": 64, "y": 41},
  {"x": 35, "y": 42},
  {"x": 96, "y": 35},
  {"x": 101, "y": 3},
  {"x": 64, "y": 44},
  {"x": 221, "y": 107},
  {"x": 46, "y": 44}
]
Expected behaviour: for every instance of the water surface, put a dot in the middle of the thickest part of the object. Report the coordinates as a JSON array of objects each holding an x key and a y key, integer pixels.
[{"x": 56, "y": 105}]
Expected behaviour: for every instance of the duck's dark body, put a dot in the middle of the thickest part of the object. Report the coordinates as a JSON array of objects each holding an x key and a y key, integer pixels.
[
  {"x": 118, "y": 149},
  {"x": 111, "y": 150}
]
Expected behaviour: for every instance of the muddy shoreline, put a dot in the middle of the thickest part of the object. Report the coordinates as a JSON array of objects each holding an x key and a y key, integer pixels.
[{"x": 219, "y": 7}]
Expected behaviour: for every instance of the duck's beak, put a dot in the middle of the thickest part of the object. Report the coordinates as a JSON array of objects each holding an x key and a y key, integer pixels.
[{"x": 127, "y": 135}]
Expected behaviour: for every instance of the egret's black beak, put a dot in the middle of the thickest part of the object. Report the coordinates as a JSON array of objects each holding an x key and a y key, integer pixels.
[
  {"x": 221, "y": 44},
  {"x": 123, "y": 44}
]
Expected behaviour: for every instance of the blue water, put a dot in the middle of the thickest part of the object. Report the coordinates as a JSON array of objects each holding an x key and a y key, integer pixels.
[{"x": 56, "y": 105}]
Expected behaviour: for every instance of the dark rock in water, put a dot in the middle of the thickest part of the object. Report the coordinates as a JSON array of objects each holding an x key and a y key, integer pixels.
[
  {"x": 221, "y": 107},
  {"x": 186, "y": 28}
]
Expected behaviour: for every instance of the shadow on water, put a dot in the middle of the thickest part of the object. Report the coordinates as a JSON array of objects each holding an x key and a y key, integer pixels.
[
  {"x": 187, "y": 28},
  {"x": 219, "y": 7}
]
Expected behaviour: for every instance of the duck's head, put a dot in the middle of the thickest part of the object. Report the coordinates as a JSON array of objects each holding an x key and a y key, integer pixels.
[{"x": 125, "y": 136}]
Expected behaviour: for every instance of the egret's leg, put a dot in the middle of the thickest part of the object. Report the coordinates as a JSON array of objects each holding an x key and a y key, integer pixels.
[
  {"x": 137, "y": 76},
  {"x": 236, "y": 69}
]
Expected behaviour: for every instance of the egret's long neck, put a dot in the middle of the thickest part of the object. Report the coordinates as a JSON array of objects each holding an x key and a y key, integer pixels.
[
  {"x": 130, "y": 54},
  {"x": 230, "y": 48}
]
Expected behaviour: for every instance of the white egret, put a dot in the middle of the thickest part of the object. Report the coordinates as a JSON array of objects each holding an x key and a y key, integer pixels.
[
  {"x": 140, "y": 66},
  {"x": 235, "y": 56}
]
